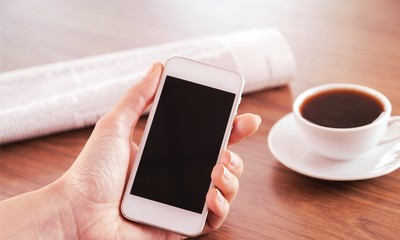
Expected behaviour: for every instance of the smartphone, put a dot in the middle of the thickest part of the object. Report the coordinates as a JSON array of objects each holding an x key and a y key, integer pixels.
[{"x": 187, "y": 128}]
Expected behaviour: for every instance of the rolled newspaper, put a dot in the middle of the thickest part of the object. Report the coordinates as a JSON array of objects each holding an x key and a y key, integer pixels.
[{"x": 73, "y": 94}]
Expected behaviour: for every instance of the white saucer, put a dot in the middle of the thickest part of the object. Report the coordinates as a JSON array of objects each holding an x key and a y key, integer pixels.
[{"x": 286, "y": 145}]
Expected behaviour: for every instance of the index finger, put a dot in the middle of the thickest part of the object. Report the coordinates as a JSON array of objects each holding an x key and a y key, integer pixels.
[{"x": 244, "y": 126}]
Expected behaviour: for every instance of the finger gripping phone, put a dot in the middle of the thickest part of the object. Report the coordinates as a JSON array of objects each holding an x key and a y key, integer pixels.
[{"x": 187, "y": 128}]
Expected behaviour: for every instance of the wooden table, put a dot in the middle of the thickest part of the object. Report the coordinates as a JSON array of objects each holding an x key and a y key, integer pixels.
[{"x": 333, "y": 41}]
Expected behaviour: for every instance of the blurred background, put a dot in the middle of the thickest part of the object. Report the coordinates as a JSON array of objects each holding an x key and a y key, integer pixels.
[{"x": 347, "y": 36}]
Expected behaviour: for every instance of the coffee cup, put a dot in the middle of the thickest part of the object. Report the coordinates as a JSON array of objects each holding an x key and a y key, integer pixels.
[{"x": 343, "y": 121}]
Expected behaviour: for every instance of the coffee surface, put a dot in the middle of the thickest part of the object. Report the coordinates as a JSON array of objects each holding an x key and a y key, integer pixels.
[{"x": 341, "y": 108}]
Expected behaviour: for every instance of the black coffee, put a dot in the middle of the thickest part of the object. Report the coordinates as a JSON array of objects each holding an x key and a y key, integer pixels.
[{"x": 341, "y": 108}]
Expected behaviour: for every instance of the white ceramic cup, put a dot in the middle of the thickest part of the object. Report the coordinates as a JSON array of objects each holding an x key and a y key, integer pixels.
[{"x": 344, "y": 143}]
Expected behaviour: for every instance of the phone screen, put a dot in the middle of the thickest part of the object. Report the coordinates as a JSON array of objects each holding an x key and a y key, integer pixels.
[{"x": 183, "y": 144}]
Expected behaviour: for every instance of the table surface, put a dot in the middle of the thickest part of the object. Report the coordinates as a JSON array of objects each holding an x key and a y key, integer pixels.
[{"x": 333, "y": 41}]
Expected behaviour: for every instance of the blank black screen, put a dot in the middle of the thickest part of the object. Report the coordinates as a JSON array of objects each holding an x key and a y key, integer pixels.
[{"x": 183, "y": 144}]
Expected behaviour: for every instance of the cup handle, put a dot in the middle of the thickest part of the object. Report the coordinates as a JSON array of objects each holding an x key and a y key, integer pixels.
[{"x": 393, "y": 137}]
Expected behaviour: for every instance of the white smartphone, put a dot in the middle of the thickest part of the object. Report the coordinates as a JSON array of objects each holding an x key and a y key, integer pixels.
[{"x": 187, "y": 128}]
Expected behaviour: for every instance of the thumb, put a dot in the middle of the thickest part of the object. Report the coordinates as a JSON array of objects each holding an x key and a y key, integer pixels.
[{"x": 131, "y": 106}]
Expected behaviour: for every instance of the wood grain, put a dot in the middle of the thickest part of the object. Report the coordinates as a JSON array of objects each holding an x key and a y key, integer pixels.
[{"x": 334, "y": 41}]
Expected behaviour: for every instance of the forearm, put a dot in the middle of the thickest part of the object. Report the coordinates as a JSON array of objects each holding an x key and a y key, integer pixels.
[{"x": 41, "y": 214}]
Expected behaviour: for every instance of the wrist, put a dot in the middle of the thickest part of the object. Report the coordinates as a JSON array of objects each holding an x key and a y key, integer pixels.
[
  {"x": 58, "y": 219},
  {"x": 40, "y": 214}
]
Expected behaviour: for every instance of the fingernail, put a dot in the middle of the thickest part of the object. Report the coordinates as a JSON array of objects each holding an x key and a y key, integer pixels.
[
  {"x": 227, "y": 175},
  {"x": 151, "y": 69},
  {"x": 234, "y": 159},
  {"x": 220, "y": 198},
  {"x": 259, "y": 120}
]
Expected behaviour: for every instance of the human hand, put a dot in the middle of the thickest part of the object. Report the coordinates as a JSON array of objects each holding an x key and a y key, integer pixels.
[{"x": 94, "y": 185}]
